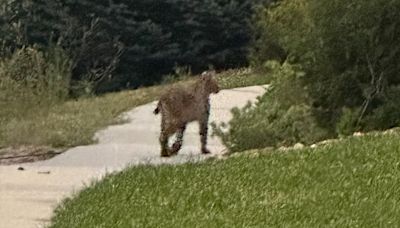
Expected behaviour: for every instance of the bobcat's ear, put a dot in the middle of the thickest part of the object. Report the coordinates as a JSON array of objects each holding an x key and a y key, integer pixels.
[{"x": 205, "y": 76}]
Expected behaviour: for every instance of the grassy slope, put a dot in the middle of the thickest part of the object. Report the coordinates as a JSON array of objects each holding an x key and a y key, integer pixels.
[
  {"x": 354, "y": 183},
  {"x": 74, "y": 122}
]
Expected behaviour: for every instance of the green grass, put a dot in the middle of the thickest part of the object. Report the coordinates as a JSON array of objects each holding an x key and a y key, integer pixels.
[
  {"x": 354, "y": 183},
  {"x": 72, "y": 123}
]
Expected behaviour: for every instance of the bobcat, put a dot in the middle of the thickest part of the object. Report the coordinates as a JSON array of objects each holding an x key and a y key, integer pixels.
[{"x": 181, "y": 105}]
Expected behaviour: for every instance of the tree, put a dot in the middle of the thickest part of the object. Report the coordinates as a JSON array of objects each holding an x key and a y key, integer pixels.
[{"x": 350, "y": 53}]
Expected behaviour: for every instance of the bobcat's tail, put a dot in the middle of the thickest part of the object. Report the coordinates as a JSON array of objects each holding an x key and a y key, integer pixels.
[{"x": 157, "y": 110}]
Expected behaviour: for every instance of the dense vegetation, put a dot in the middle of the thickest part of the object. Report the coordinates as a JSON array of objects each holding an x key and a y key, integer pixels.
[
  {"x": 281, "y": 117},
  {"x": 340, "y": 72},
  {"x": 126, "y": 44},
  {"x": 351, "y": 184}
]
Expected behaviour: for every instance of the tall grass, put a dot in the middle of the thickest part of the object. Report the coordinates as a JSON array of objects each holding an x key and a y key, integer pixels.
[{"x": 31, "y": 82}]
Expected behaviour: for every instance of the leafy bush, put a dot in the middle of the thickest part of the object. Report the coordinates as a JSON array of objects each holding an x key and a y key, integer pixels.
[
  {"x": 281, "y": 117},
  {"x": 348, "y": 122},
  {"x": 350, "y": 53}
]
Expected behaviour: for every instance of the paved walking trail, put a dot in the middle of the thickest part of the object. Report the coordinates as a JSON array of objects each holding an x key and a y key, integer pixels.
[{"x": 27, "y": 198}]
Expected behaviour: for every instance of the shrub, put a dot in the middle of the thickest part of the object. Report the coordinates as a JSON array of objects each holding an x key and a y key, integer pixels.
[
  {"x": 387, "y": 114},
  {"x": 349, "y": 50},
  {"x": 281, "y": 117},
  {"x": 348, "y": 122}
]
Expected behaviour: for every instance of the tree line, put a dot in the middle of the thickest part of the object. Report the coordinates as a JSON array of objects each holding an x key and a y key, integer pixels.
[{"x": 117, "y": 44}]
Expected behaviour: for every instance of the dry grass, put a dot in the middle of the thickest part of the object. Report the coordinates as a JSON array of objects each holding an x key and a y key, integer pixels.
[
  {"x": 70, "y": 123},
  {"x": 73, "y": 122}
]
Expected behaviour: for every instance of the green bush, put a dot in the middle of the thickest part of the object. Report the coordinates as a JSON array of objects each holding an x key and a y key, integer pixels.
[
  {"x": 348, "y": 122},
  {"x": 349, "y": 50},
  {"x": 281, "y": 117}
]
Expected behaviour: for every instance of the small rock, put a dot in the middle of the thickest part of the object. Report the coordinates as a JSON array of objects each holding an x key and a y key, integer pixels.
[
  {"x": 21, "y": 168},
  {"x": 390, "y": 131},
  {"x": 358, "y": 134},
  {"x": 328, "y": 141},
  {"x": 313, "y": 146},
  {"x": 254, "y": 154},
  {"x": 284, "y": 148},
  {"x": 298, "y": 146}
]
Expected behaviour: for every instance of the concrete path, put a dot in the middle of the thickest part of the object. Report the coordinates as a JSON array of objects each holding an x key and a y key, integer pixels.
[{"x": 27, "y": 198}]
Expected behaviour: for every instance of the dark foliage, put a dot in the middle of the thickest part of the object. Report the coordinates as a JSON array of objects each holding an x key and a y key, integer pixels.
[
  {"x": 119, "y": 43},
  {"x": 349, "y": 51}
]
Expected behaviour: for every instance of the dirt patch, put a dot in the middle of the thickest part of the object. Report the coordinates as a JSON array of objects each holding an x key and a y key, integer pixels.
[{"x": 23, "y": 154}]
